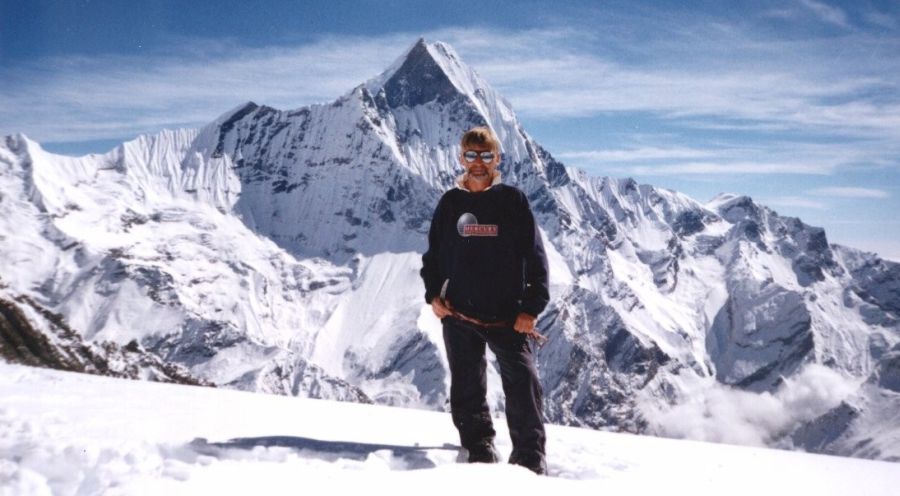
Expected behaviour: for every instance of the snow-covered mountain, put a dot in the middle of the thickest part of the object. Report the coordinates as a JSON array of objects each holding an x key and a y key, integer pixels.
[{"x": 278, "y": 251}]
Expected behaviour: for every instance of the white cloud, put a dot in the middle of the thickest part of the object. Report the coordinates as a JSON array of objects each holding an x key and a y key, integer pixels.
[
  {"x": 827, "y": 13},
  {"x": 726, "y": 76},
  {"x": 725, "y": 168},
  {"x": 785, "y": 13},
  {"x": 795, "y": 201},
  {"x": 738, "y": 97},
  {"x": 114, "y": 96},
  {"x": 718, "y": 413},
  {"x": 885, "y": 248},
  {"x": 667, "y": 158},
  {"x": 643, "y": 153},
  {"x": 881, "y": 19},
  {"x": 720, "y": 76},
  {"x": 849, "y": 192}
]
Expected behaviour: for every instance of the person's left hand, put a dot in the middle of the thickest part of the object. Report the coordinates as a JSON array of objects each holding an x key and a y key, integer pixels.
[{"x": 525, "y": 323}]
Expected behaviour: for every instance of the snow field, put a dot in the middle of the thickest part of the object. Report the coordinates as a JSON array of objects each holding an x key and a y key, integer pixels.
[{"x": 66, "y": 433}]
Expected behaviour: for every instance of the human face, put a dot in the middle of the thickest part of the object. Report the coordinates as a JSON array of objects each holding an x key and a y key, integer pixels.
[{"x": 479, "y": 170}]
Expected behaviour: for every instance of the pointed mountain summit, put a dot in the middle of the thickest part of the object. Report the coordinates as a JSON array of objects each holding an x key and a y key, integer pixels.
[
  {"x": 433, "y": 75},
  {"x": 420, "y": 79},
  {"x": 427, "y": 72}
]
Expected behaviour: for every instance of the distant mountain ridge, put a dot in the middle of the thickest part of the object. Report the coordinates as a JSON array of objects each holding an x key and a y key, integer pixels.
[{"x": 278, "y": 251}]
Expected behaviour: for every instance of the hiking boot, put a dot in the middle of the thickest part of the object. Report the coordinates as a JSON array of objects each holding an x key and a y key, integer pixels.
[
  {"x": 532, "y": 461},
  {"x": 484, "y": 453}
]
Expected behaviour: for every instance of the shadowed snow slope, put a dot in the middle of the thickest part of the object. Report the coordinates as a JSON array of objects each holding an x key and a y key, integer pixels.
[
  {"x": 278, "y": 250},
  {"x": 148, "y": 438}
]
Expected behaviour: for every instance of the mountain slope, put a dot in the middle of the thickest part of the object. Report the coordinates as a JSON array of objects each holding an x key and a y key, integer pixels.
[{"x": 31, "y": 335}]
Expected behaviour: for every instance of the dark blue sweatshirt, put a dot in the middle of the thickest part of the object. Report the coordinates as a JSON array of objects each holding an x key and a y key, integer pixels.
[{"x": 488, "y": 251}]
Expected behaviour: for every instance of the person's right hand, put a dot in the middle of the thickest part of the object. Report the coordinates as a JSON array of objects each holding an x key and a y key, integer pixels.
[{"x": 439, "y": 309}]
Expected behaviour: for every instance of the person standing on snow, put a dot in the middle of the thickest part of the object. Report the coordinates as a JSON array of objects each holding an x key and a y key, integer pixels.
[{"x": 485, "y": 275}]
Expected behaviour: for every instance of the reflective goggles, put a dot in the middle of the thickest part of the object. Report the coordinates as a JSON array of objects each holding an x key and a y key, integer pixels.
[{"x": 471, "y": 156}]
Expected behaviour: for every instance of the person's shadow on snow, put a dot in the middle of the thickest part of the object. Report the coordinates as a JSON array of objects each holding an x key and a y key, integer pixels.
[{"x": 413, "y": 457}]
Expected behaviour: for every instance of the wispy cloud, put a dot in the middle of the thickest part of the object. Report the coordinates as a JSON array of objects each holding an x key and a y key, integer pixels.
[
  {"x": 849, "y": 192},
  {"x": 644, "y": 153},
  {"x": 795, "y": 202},
  {"x": 695, "y": 73},
  {"x": 827, "y": 13},
  {"x": 887, "y": 249},
  {"x": 773, "y": 157},
  {"x": 881, "y": 19},
  {"x": 776, "y": 85},
  {"x": 720, "y": 414},
  {"x": 706, "y": 168},
  {"x": 102, "y": 97}
]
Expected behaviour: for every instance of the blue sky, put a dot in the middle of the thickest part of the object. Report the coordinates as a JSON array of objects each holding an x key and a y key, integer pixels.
[{"x": 795, "y": 103}]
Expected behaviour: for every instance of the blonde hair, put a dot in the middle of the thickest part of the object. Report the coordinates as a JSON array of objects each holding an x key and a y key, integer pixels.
[{"x": 480, "y": 136}]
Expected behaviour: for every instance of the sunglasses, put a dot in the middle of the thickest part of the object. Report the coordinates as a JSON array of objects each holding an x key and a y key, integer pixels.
[{"x": 471, "y": 156}]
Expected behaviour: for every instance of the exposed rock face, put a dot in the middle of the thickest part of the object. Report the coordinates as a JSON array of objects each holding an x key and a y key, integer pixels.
[
  {"x": 419, "y": 80},
  {"x": 32, "y": 335},
  {"x": 887, "y": 373},
  {"x": 759, "y": 336},
  {"x": 865, "y": 424}
]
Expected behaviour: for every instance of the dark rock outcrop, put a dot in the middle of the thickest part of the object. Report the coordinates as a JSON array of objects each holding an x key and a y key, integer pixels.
[{"x": 43, "y": 339}]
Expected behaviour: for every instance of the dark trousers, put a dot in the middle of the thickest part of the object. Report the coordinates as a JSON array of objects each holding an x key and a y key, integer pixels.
[{"x": 465, "y": 344}]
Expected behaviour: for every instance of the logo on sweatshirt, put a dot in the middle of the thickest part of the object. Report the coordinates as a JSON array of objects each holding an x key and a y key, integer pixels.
[{"x": 468, "y": 225}]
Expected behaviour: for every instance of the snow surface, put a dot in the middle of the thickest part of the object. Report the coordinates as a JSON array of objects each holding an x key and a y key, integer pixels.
[{"x": 137, "y": 437}]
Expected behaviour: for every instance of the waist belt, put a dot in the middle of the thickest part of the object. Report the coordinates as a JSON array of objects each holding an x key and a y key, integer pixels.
[
  {"x": 479, "y": 322},
  {"x": 539, "y": 338}
]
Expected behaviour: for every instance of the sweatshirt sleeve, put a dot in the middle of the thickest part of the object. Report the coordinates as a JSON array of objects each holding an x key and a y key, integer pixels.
[
  {"x": 431, "y": 274},
  {"x": 537, "y": 293}
]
